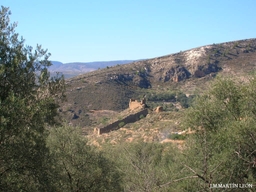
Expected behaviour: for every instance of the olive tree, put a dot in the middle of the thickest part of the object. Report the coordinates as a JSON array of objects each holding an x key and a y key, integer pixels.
[
  {"x": 28, "y": 103},
  {"x": 147, "y": 166},
  {"x": 78, "y": 166},
  {"x": 222, "y": 150}
]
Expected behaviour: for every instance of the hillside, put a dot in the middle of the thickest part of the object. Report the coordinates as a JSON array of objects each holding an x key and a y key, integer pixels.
[
  {"x": 70, "y": 70},
  {"x": 187, "y": 72}
]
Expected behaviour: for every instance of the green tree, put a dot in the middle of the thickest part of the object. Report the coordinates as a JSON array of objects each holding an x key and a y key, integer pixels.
[
  {"x": 78, "y": 166},
  {"x": 223, "y": 148},
  {"x": 185, "y": 101},
  {"x": 147, "y": 166},
  {"x": 28, "y": 103}
]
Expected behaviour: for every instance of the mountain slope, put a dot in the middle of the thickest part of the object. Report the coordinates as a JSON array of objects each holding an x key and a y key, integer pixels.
[
  {"x": 76, "y": 68},
  {"x": 190, "y": 70}
]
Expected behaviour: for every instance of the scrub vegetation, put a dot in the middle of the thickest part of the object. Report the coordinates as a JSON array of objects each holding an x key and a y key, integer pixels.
[{"x": 40, "y": 152}]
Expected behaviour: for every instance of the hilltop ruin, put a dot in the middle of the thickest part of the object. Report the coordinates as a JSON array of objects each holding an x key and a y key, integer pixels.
[
  {"x": 135, "y": 104},
  {"x": 138, "y": 110}
]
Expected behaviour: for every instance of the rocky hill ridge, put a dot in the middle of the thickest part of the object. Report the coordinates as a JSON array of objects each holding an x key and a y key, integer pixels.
[
  {"x": 112, "y": 87},
  {"x": 197, "y": 62}
]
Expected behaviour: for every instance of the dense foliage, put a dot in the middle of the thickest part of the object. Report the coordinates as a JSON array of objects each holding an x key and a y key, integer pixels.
[
  {"x": 223, "y": 148},
  {"x": 27, "y": 104},
  {"x": 162, "y": 98},
  {"x": 78, "y": 166},
  {"x": 38, "y": 154},
  {"x": 145, "y": 166}
]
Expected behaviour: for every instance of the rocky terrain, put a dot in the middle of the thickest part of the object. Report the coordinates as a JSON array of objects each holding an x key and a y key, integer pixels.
[{"x": 187, "y": 71}]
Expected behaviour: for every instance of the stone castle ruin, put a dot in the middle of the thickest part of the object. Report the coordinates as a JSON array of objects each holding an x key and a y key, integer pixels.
[
  {"x": 138, "y": 110},
  {"x": 135, "y": 104}
]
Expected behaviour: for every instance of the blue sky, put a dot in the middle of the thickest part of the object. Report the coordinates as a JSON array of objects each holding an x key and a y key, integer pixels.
[{"x": 104, "y": 30}]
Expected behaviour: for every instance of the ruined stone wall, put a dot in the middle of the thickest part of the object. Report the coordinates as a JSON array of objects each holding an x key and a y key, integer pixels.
[
  {"x": 116, "y": 125},
  {"x": 134, "y": 104}
]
